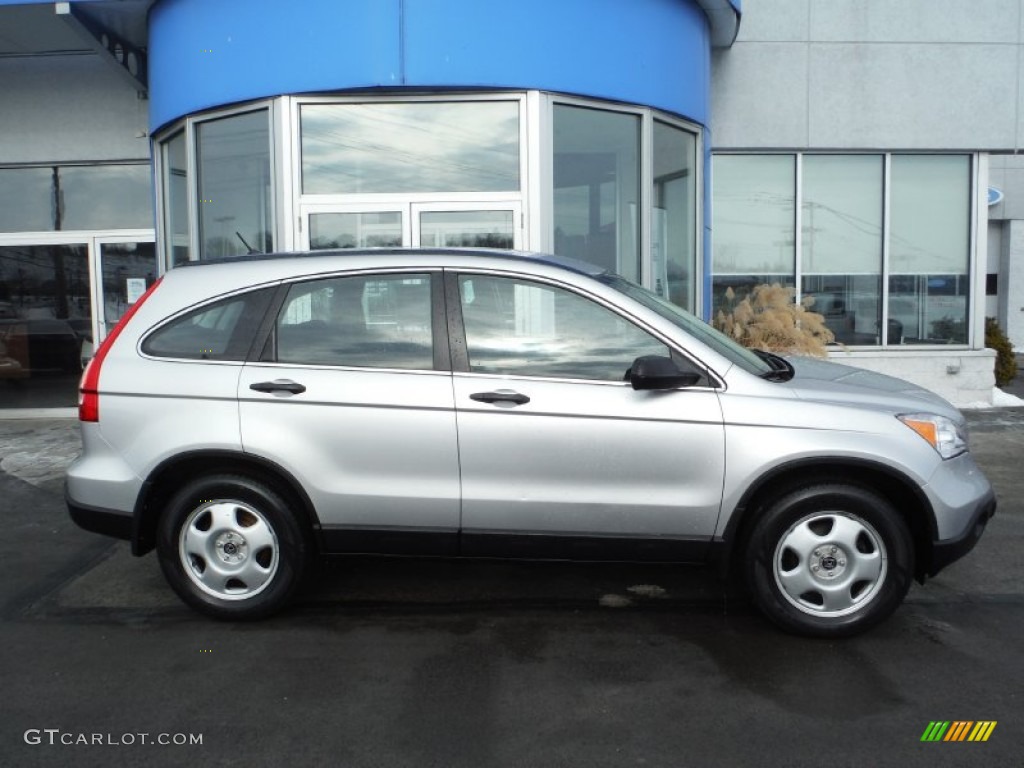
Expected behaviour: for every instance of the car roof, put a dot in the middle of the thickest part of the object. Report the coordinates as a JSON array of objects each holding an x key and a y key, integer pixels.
[{"x": 563, "y": 262}]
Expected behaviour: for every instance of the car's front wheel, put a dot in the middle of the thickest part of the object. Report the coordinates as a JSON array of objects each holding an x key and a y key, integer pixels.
[
  {"x": 829, "y": 560},
  {"x": 231, "y": 547}
]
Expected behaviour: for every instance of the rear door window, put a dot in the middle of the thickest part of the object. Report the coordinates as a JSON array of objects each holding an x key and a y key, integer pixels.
[{"x": 363, "y": 321}]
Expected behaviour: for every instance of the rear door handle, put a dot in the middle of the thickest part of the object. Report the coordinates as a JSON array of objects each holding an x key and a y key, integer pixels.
[
  {"x": 279, "y": 385},
  {"x": 501, "y": 396}
]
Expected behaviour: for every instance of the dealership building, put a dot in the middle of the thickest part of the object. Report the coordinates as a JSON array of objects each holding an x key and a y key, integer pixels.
[{"x": 862, "y": 152}]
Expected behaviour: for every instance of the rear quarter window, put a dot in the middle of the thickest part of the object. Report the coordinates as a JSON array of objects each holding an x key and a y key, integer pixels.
[{"x": 223, "y": 330}]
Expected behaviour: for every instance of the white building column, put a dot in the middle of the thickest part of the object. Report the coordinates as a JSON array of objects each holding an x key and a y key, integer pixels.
[{"x": 1011, "y": 281}]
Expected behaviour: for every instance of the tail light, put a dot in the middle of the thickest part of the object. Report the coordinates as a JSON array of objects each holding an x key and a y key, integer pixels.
[{"x": 89, "y": 389}]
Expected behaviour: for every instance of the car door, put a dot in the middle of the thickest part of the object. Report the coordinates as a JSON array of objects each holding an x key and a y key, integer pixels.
[
  {"x": 352, "y": 395},
  {"x": 560, "y": 456}
]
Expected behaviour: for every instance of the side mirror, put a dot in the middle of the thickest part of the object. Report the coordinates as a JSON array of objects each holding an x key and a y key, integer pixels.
[{"x": 657, "y": 372}]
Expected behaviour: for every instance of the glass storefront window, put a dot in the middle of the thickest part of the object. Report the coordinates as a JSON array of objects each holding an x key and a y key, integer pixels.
[
  {"x": 674, "y": 214},
  {"x": 26, "y": 199},
  {"x": 843, "y": 238},
  {"x": 597, "y": 187},
  {"x": 91, "y": 197},
  {"x": 450, "y": 171},
  {"x": 175, "y": 199},
  {"x": 45, "y": 317},
  {"x": 106, "y": 197},
  {"x": 459, "y": 146},
  {"x": 841, "y": 231},
  {"x": 929, "y": 248},
  {"x": 355, "y": 230},
  {"x": 466, "y": 229},
  {"x": 753, "y": 217},
  {"x": 235, "y": 195}
]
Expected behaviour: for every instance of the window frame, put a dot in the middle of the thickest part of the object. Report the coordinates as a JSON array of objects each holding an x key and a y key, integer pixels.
[
  {"x": 534, "y": 195},
  {"x": 188, "y": 125}
]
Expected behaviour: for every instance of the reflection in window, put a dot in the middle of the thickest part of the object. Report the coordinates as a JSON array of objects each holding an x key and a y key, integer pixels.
[
  {"x": 466, "y": 229},
  {"x": 414, "y": 147},
  {"x": 842, "y": 243},
  {"x": 929, "y": 247},
  {"x": 91, "y": 197},
  {"x": 175, "y": 195},
  {"x": 223, "y": 330},
  {"x": 597, "y": 187},
  {"x": 674, "y": 214},
  {"x": 525, "y": 329},
  {"x": 26, "y": 199},
  {"x": 753, "y": 216},
  {"x": 128, "y": 268},
  {"x": 843, "y": 238},
  {"x": 367, "y": 321},
  {"x": 106, "y": 197},
  {"x": 45, "y": 316},
  {"x": 355, "y": 230},
  {"x": 235, "y": 199}
]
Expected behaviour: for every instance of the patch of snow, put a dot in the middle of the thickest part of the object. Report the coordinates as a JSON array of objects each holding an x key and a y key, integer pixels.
[
  {"x": 647, "y": 590},
  {"x": 614, "y": 601},
  {"x": 1000, "y": 399}
]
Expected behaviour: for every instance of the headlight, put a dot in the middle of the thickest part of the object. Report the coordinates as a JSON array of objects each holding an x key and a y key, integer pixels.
[{"x": 943, "y": 434}]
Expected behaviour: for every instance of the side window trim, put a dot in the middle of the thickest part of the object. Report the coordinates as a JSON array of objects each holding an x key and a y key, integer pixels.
[
  {"x": 264, "y": 347},
  {"x": 458, "y": 351}
]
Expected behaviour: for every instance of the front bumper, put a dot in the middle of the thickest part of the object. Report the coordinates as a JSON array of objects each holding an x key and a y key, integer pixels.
[{"x": 948, "y": 551}]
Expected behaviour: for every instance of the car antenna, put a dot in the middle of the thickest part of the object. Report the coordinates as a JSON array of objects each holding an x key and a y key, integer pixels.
[{"x": 251, "y": 249}]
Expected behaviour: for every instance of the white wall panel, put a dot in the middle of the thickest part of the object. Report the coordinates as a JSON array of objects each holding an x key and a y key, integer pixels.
[
  {"x": 774, "y": 21},
  {"x": 941, "y": 96},
  {"x": 68, "y": 108},
  {"x": 910, "y": 21},
  {"x": 759, "y": 96}
]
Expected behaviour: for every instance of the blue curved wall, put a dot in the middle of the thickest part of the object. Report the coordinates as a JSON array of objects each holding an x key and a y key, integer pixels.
[{"x": 207, "y": 53}]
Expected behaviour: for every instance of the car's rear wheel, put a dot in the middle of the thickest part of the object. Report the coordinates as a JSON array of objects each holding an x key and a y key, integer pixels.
[
  {"x": 829, "y": 560},
  {"x": 231, "y": 547}
]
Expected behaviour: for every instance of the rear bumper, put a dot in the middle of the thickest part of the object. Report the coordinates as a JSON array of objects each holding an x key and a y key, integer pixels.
[
  {"x": 104, "y": 521},
  {"x": 948, "y": 551}
]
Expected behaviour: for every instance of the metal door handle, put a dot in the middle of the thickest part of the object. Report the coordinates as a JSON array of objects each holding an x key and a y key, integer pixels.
[
  {"x": 501, "y": 396},
  {"x": 279, "y": 385}
]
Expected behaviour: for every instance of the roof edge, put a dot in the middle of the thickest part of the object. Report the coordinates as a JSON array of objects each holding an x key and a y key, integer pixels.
[{"x": 724, "y": 20}]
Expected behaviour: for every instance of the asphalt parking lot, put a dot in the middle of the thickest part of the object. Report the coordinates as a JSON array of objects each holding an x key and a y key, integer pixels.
[{"x": 435, "y": 663}]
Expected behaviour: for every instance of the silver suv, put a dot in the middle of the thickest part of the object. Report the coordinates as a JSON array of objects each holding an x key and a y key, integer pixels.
[{"x": 245, "y": 416}]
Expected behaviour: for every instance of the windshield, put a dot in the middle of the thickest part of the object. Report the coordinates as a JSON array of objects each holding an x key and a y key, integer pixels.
[{"x": 691, "y": 324}]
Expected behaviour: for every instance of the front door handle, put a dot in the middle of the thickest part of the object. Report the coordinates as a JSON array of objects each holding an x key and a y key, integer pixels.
[
  {"x": 501, "y": 396},
  {"x": 279, "y": 385}
]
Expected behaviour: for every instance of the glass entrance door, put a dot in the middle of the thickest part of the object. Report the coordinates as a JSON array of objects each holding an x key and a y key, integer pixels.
[
  {"x": 124, "y": 269},
  {"x": 428, "y": 225}
]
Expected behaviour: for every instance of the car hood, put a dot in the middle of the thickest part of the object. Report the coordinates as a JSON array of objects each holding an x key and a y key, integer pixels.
[{"x": 832, "y": 382}]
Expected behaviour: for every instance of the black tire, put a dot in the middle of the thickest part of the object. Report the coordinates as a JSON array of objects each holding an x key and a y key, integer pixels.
[
  {"x": 829, "y": 560},
  {"x": 231, "y": 547}
]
